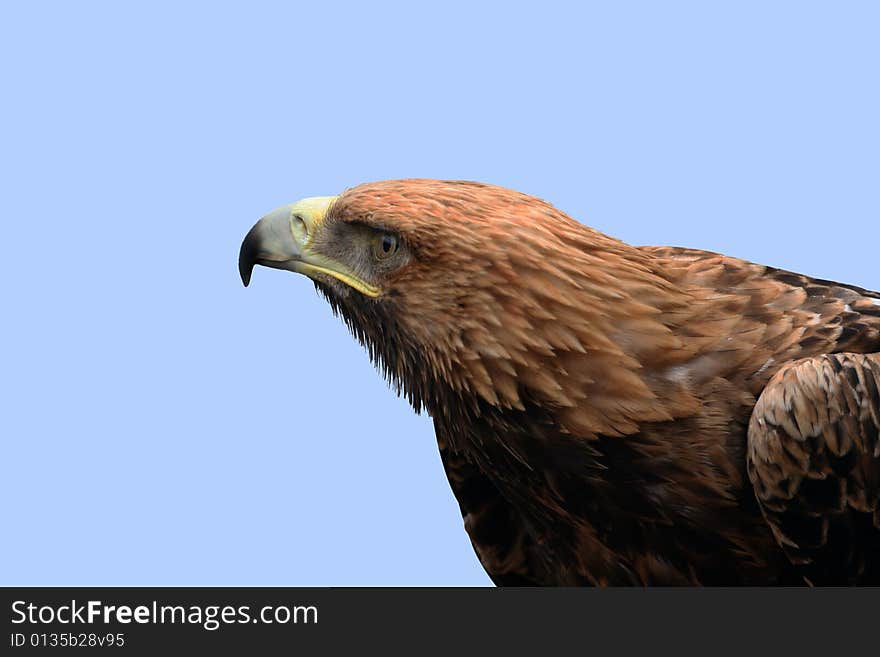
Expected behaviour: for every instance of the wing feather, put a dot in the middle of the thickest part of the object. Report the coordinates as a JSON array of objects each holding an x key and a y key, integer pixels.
[{"x": 814, "y": 463}]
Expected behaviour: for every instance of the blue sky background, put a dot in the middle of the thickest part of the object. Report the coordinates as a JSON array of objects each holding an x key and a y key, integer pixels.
[{"x": 162, "y": 425}]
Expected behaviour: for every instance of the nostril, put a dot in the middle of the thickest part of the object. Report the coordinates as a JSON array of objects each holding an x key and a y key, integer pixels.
[{"x": 300, "y": 224}]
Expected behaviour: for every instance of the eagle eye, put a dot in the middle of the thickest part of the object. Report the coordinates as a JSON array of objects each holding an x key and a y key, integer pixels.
[{"x": 385, "y": 245}]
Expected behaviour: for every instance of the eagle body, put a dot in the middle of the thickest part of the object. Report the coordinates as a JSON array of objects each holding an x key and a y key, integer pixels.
[{"x": 609, "y": 414}]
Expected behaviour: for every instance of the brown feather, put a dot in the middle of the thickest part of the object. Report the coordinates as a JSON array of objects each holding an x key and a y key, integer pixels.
[{"x": 592, "y": 400}]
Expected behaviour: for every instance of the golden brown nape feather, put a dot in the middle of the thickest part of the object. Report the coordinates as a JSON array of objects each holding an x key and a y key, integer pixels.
[
  {"x": 591, "y": 399},
  {"x": 507, "y": 296}
]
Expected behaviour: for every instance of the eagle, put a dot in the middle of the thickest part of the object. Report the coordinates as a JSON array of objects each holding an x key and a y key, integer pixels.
[{"x": 608, "y": 414}]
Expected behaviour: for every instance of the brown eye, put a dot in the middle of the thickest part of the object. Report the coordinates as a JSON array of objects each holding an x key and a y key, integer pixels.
[{"x": 385, "y": 245}]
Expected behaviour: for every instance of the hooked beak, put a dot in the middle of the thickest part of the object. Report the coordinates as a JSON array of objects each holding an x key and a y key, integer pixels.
[
  {"x": 282, "y": 239},
  {"x": 270, "y": 243}
]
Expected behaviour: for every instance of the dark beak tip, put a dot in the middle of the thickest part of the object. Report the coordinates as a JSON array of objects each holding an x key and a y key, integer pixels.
[
  {"x": 245, "y": 270},
  {"x": 247, "y": 256}
]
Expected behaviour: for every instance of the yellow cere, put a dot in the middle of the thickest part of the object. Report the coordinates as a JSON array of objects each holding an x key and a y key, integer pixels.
[{"x": 312, "y": 210}]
